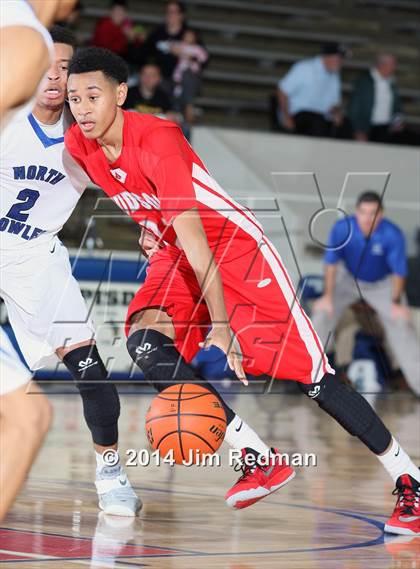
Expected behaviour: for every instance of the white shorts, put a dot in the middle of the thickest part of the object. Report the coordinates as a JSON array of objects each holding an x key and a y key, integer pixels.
[
  {"x": 13, "y": 374},
  {"x": 43, "y": 300}
]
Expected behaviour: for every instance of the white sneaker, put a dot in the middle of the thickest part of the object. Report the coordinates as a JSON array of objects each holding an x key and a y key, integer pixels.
[{"x": 116, "y": 496}]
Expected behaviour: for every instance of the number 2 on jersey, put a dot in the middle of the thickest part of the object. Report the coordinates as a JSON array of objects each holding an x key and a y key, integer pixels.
[{"x": 28, "y": 198}]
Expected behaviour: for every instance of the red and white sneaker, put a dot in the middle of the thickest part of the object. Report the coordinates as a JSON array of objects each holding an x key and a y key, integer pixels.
[
  {"x": 405, "y": 519},
  {"x": 258, "y": 481}
]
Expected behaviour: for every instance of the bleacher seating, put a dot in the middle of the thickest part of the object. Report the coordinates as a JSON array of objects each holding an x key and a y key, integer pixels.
[{"x": 252, "y": 43}]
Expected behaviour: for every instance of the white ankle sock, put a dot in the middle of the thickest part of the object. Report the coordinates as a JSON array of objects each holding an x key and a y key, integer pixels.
[
  {"x": 239, "y": 435},
  {"x": 100, "y": 463},
  {"x": 397, "y": 462}
]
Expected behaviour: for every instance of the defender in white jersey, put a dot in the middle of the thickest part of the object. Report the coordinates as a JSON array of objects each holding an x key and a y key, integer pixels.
[
  {"x": 25, "y": 416},
  {"x": 40, "y": 185}
]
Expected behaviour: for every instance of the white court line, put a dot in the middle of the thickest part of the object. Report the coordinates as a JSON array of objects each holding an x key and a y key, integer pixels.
[{"x": 38, "y": 557}]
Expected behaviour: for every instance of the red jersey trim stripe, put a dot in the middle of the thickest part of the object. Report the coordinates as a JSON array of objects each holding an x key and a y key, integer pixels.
[
  {"x": 325, "y": 365},
  {"x": 206, "y": 182}
]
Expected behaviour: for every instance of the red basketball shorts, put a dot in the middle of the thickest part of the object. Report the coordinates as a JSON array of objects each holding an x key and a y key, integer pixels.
[{"x": 275, "y": 334}]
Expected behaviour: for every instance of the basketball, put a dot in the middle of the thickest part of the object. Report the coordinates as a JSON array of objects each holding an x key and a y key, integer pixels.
[{"x": 188, "y": 420}]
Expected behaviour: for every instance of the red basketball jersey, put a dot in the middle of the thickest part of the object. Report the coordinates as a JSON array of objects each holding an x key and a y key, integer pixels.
[{"x": 157, "y": 176}]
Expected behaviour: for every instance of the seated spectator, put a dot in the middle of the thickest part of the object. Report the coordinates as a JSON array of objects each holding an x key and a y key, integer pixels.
[
  {"x": 309, "y": 95},
  {"x": 156, "y": 46},
  {"x": 116, "y": 31},
  {"x": 375, "y": 106},
  {"x": 187, "y": 74},
  {"x": 148, "y": 96}
]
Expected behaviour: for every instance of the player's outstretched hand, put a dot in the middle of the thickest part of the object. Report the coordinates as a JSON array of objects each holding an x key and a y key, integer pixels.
[{"x": 222, "y": 338}]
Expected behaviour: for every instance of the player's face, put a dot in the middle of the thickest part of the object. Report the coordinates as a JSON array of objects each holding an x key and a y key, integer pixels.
[
  {"x": 54, "y": 88},
  {"x": 94, "y": 101},
  {"x": 368, "y": 217}
]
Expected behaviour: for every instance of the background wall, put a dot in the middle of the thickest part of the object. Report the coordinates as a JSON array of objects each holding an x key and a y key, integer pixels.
[{"x": 277, "y": 176}]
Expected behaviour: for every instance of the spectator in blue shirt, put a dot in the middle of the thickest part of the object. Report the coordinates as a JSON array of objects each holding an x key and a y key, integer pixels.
[
  {"x": 309, "y": 94},
  {"x": 366, "y": 259}
]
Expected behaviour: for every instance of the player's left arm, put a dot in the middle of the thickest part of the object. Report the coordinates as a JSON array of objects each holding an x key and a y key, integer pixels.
[{"x": 193, "y": 239}]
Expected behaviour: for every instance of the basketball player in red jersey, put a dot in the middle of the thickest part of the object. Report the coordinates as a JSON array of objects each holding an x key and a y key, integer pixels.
[{"x": 211, "y": 265}]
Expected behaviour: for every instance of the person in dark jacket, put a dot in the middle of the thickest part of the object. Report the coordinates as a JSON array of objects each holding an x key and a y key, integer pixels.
[
  {"x": 148, "y": 97},
  {"x": 157, "y": 44},
  {"x": 375, "y": 108}
]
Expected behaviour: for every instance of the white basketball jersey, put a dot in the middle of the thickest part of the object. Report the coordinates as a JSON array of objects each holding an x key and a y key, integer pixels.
[{"x": 40, "y": 183}]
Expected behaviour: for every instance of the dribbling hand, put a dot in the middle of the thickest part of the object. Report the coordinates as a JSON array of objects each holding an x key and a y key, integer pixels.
[{"x": 222, "y": 338}]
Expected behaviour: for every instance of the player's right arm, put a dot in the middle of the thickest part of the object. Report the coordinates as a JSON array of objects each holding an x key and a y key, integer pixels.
[
  {"x": 193, "y": 239},
  {"x": 24, "y": 58}
]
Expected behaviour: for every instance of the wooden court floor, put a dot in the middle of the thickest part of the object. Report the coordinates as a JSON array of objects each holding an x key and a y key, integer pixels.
[{"x": 330, "y": 516}]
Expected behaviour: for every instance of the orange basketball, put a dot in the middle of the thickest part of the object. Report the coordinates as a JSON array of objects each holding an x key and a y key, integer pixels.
[{"x": 187, "y": 419}]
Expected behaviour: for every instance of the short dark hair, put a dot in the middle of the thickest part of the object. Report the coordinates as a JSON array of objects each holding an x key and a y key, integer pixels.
[
  {"x": 60, "y": 34},
  {"x": 90, "y": 59},
  {"x": 149, "y": 63},
  {"x": 181, "y": 5},
  {"x": 122, "y": 3},
  {"x": 333, "y": 48},
  {"x": 369, "y": 197}
]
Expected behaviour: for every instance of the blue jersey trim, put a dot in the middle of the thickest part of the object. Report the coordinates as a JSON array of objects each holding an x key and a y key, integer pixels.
[{"x": 46, "y": 140}]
